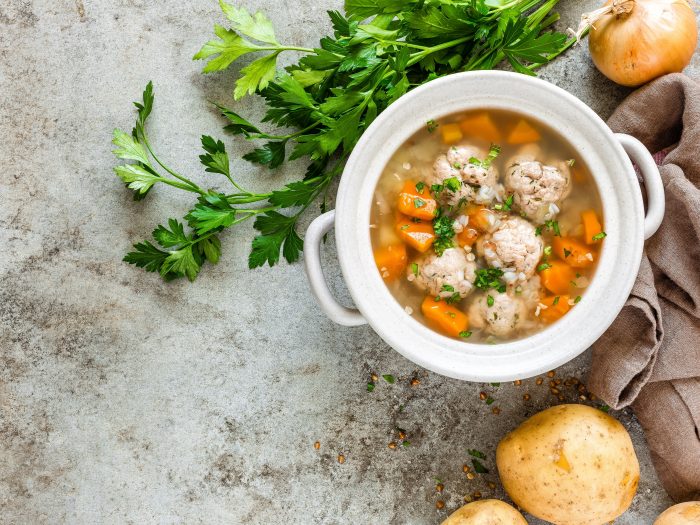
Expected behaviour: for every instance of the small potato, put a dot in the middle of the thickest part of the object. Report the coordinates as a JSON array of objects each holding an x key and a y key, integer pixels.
[
  {"x": 486, "y": 512},
  {"x": 687, "y": 513},
  {"x": 570, "y": 465}
]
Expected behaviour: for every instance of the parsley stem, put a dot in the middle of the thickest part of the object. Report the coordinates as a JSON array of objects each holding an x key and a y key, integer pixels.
[
  {"x": 283, "y": 137},
  {"x": 284, "y": 48},
  {"x": 446, "y": 45},
  {"x": 190, "y": 185}
]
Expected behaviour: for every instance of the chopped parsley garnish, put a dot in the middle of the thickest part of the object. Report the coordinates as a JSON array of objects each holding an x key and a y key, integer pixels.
[
  {"x": 448, "y": 288},
  {"x": 600, "y": 236},
  {"x": 415, "y": 269},
  {"x": 604, "y": 408},
  {"x": 494, "y": 151},
  {"x": 578, "y": 298},
  {"x": 405, "y": 227},
  {"x": 453, "y": 184},
  {"x": 496, "y": 384},
  {"x": 420, "y": 186},
  {"x": 476, "y": 453},
  {"x": 548, "y": 250},
  {"x": 432, "y": 125},
  {"x": 490, "y": 300},
  {"x": 554, "y": 226},
  {"x": 549, "y": 225},
  {"x": 490, "y": 400},
  {"x": 488, "y": 278},
  {"x": 454, "y": 298},
  {"x": 437, "y": 188},
  {"x": 567, "y": 253},
  {"x": 543, "y": 266},
  {"x": 418, "y": 203},
  {"x": 452, "y": 314},
  {"x": 556, "y": 301},
  {"x": 389, "y": 379},
  {"x": 478, "y": 467},
  {"x": 571, "y": 162},
  {"x": 370, "y": 387},
  {"x": 406, "y": 444},
  {"x": 457, "y": 166},
  {"x": 444, "y": 233},
  {"x": 465, "y": 334},
  {"x": 506, "y": 205}
]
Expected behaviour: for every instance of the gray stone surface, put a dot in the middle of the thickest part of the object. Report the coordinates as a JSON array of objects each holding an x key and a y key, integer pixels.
[{"x": 124, "y": 399}]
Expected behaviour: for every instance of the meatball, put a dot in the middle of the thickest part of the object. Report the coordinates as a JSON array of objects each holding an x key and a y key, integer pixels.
[
  {"x": 537, "y": 187},
  {"x": 443, "y": 170},
  {"x": 529, "y": 292},
  {"x": 514, "y": 247},
  {"x": 505, "y": 315},
  {"x": 460, "y": 157},
  {"x": 477, "y": 182},
  {"x": 452, "y": 272}
]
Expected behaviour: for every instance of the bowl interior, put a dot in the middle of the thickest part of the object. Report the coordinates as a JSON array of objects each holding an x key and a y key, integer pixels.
[{"x": 612, "y": 173}]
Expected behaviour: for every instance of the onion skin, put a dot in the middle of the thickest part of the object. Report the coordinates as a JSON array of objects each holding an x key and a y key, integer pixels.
[{"x": 654, "y": 38}]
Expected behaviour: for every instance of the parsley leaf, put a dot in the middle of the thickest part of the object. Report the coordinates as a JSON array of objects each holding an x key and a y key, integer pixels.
[{"x": 270, "y": 155}]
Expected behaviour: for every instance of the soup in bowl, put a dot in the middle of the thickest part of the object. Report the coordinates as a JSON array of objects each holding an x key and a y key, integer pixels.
[
  {"x": 536, "y": 215},
  {"x": 486, "y": 226}
]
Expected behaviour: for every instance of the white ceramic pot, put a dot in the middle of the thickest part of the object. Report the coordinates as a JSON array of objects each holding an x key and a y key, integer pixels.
[{"x": 626, "y": 225}]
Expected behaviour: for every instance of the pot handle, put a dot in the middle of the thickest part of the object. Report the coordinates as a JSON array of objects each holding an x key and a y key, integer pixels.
[
  {"x": 319, "y": 288},
  {"x": 656, "y": 201}
]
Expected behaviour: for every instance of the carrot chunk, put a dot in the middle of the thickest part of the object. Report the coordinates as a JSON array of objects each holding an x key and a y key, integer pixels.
[
  {"x": 591, "y": 226},
  {"x": 451, "y": 133},
  {"x": 417, "y": 234},
  {"x": 522, "y": 133},
  {"x": 482, "y": 126},
  {"x": 557, "y": 307},
  {"x": 391, "y": 261},
  {"x": 444, "y": 318},
  {"x": 467, "y": 237},
  {"x": 573, "y": 252},
  {"x": 557, "y": 277},
  {"x": 417, "y": 203}
]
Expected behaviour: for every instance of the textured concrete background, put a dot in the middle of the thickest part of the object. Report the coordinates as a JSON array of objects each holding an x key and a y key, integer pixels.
[{"x": 127, "y": 400}]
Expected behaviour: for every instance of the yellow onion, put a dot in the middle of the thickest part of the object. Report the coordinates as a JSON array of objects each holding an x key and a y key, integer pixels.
[{"x": 635, "y": 41}]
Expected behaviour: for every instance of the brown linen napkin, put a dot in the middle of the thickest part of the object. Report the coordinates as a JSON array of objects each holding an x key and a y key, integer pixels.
[{"x": 650, "y": 357}]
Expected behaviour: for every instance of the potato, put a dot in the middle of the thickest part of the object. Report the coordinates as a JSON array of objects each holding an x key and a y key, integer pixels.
[
  {"x": 486, "y": 512},
  {"x": 687, "y": 513},
  {"x": 570, "y": 465}
]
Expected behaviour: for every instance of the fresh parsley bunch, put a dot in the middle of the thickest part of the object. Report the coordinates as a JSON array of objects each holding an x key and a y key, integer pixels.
[{"x": 380, "y": 49}]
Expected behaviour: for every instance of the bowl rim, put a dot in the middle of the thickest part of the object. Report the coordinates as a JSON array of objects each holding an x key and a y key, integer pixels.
[{"x": 622, "y": 208}]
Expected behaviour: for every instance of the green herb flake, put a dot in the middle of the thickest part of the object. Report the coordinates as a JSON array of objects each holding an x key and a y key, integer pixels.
[
  {"x": 415, "y": 269},
  {"x": 490, "y": 400},
  {"x": 405, "y": 227},
  {"x": 479, "y": 468},
  {"x": 420, "y": 186},
  {"x": 571, "y": 162},
  {"x": 405, "y": 443},
  {"x": 476, "y": 453},
  {"x": 543, "y": 266},
  {"x": 465, "y": 334},
  {"x": 604, "y": 408},
  {"x": 418, "y": 202},
  {"x": 454, "y": 298},
  {"x": 599, "y": 236},
  {"x": 556, "y": 301},
  {"x": 451, "y": 314},
  {"x": 448, "y": 288},
  {"x": 577, "y": 300},
  {"x": 431, "y": 125},
  {"x": 370, "y": 387},
  {"x": 453, "y": 184},
  {"x": 488, "y": 278},
  {"x": 490, "y": 300},
  {"x": 496, "y": 384},
  {"x": 389, "y": 379},
  {"x": 567, "y": 253},
  {"x": 548, "y": 250}
]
